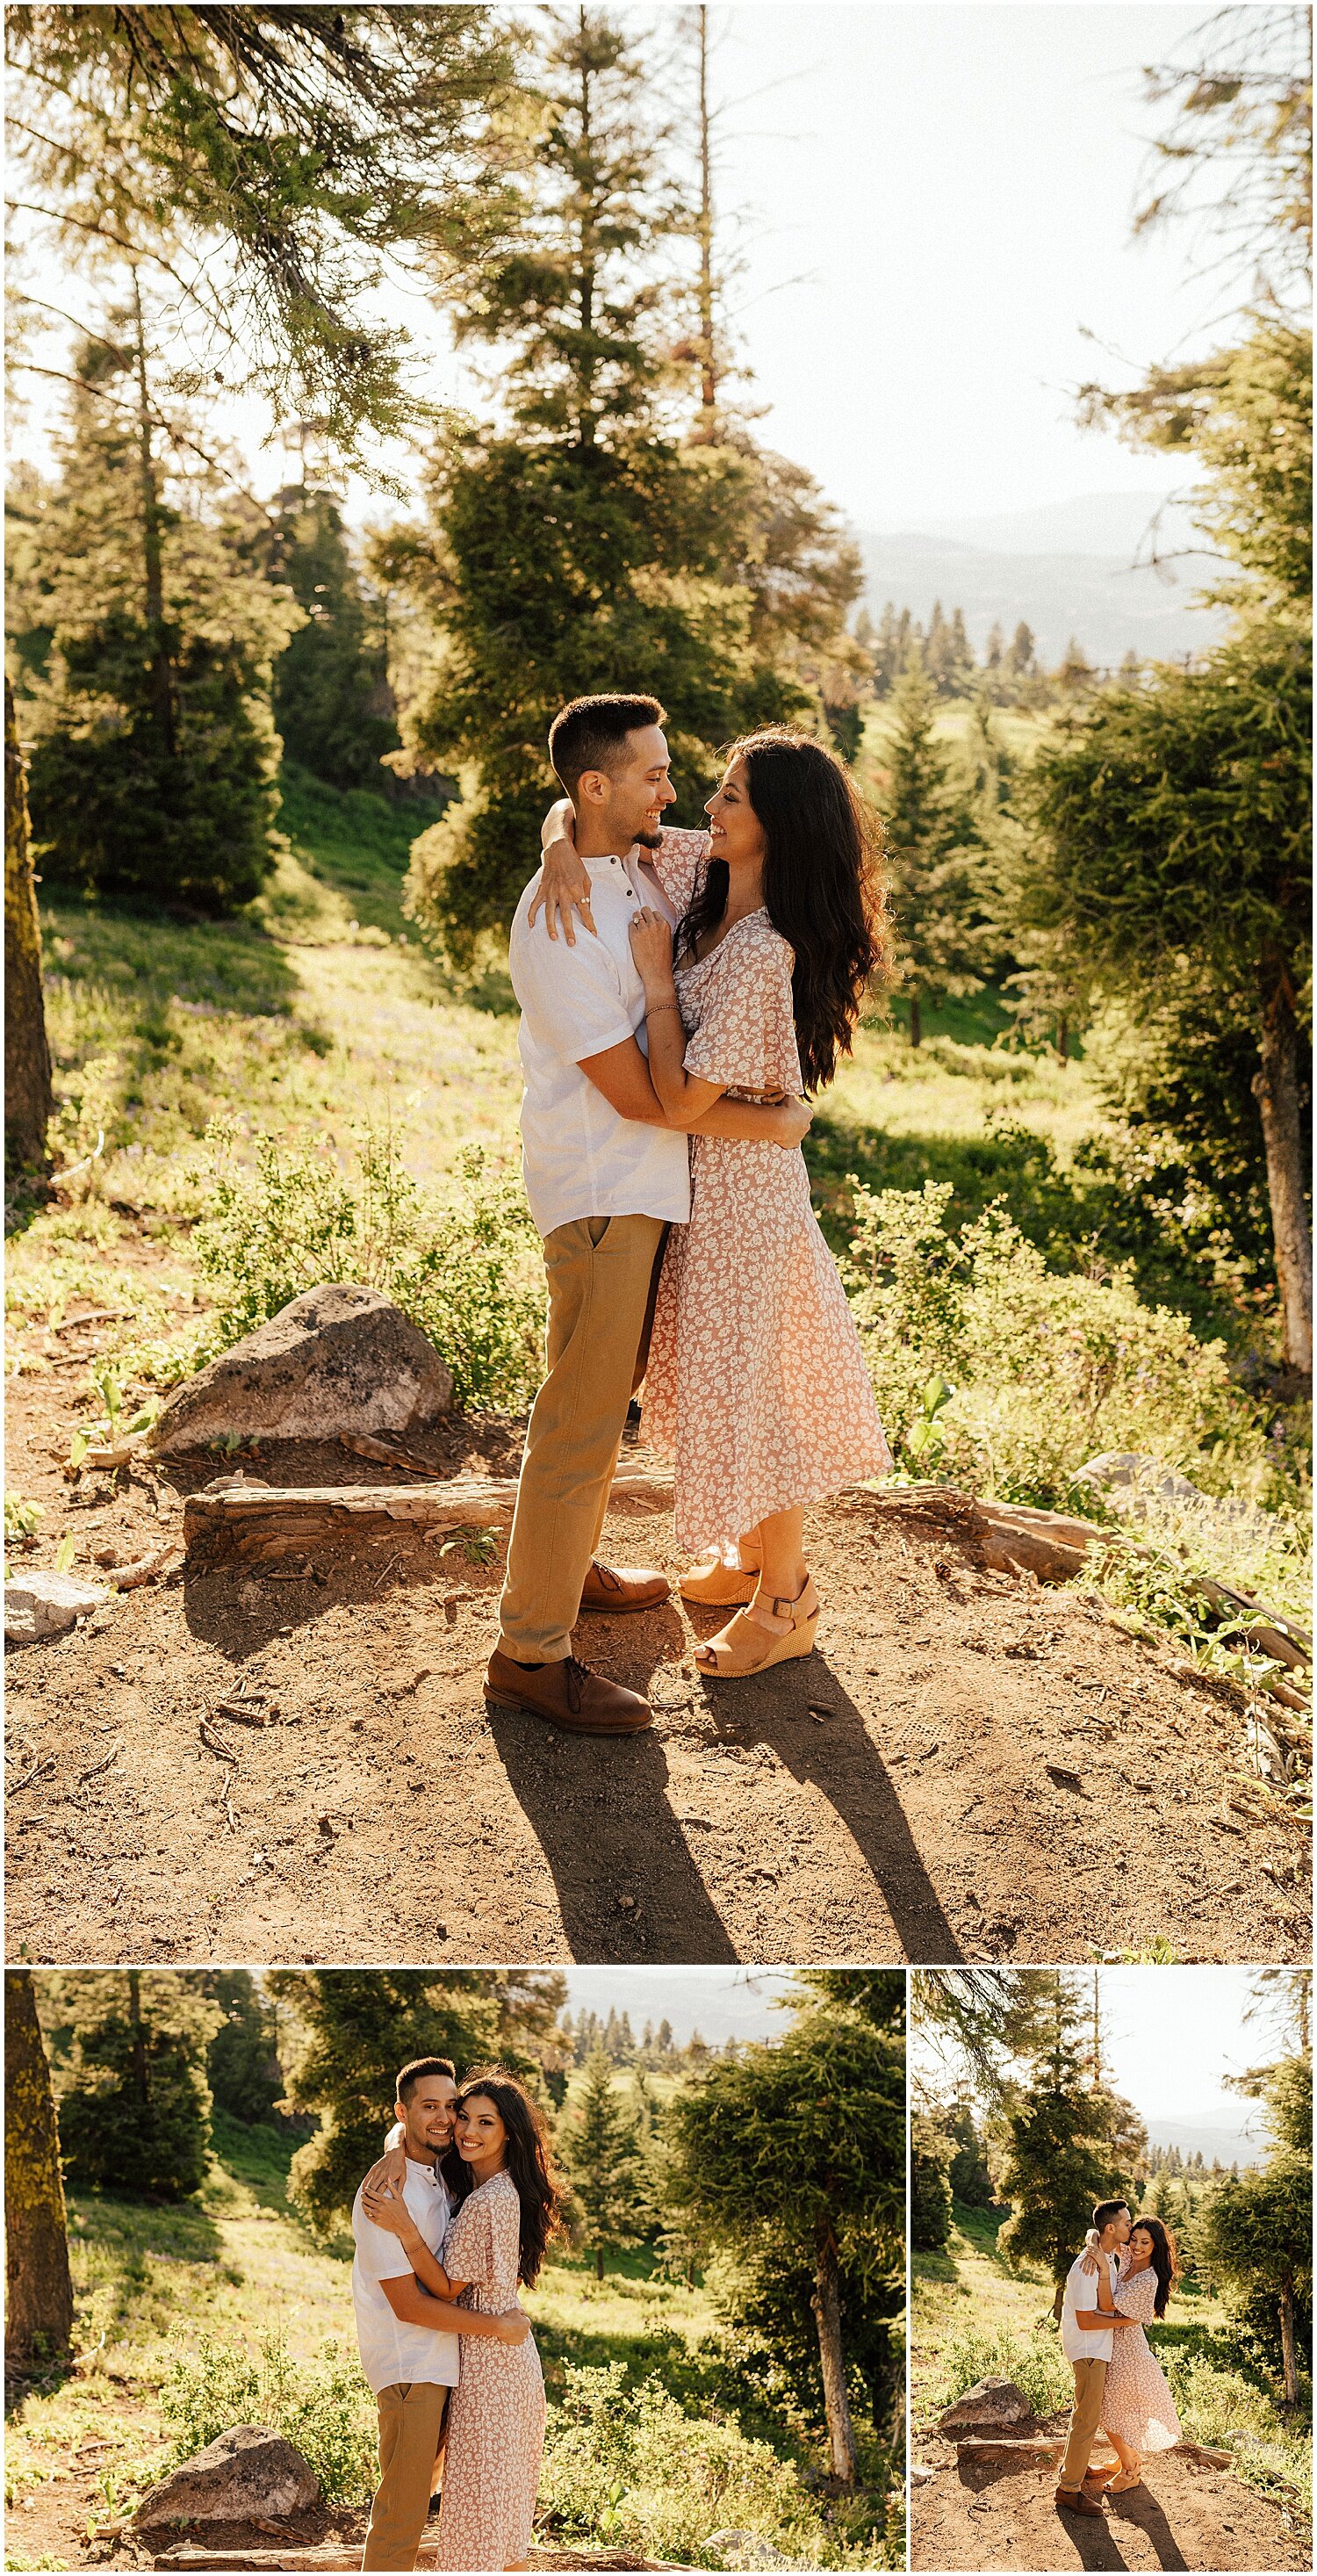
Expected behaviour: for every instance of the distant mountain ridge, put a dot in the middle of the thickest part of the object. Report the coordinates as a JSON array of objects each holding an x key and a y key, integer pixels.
[
  {"x": 1213, "y": 2138},
  {"x": 1066, "y": 568}
]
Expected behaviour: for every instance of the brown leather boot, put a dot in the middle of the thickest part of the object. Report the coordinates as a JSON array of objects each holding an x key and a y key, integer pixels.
[
  {"x": 568, "y": 1695},
  {"x": 1073, "y": 2500},
  {"x": 623, "y": 1587}
]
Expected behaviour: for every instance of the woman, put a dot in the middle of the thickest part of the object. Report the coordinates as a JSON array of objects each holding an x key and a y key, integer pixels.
[
  {"x": 756, "y": 1384},
  {"x": 1138, "y": 2410},
  {"x": 496, "y": 2238}
]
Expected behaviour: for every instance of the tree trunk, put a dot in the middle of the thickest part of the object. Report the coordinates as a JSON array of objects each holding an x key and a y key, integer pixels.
[
  {"x": 599, "y": 2262},
  {"x": 826, "y": 2304},
  {"x": 1276, "y": 1090},
  {"x": 916, "y": 1018},
  {"x": 153, "y": 560},
  {"x": 140, "y": 2085},
  {"x": 708, "y": 367},
  {"x": 40, "y": 2314},
  {"x": 1289, "y": 2366},
  {"x": 28, "y": 1100},
  {"x": 1063, "y": 1039}
]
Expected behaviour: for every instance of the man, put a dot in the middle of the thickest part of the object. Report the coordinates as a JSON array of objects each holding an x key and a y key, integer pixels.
[
  {"x": 407, "y": 2339},
  {"x": 606, "y": 1174},
  {"x": 1089, "y": 2324}
]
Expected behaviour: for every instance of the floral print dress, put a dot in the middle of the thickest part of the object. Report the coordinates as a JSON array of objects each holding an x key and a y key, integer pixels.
[
  {"x": 496, "y": 2412},
  {"x": 756, "y": 1385},
  {"x": 1137, "y": 2405}
]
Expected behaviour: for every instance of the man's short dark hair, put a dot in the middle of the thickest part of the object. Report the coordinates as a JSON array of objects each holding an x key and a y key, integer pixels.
[
  {"x": 411, "y": 2075},
  {"x": 1107, "y": 2210},
  {"x": 591, "y": 733}
]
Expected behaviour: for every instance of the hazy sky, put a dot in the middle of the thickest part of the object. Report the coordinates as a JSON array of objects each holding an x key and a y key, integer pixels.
[
  {"x": 1171, "y": 2036},
  {"x": 958, "y": 185},
  {"x": 721, "y": 2003},
  {"x": 939, "y": 202}
]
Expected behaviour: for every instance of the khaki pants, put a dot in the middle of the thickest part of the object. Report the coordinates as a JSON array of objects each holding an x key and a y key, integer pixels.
[
  {"x": 1090, "y": 2387},
  {"x": 411, "y": 2425},
  {"x": 602, "y": 1274}
]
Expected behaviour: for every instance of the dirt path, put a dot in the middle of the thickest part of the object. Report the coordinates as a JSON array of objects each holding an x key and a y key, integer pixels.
[
  {"x": 50, "y": 2529},
  {"x": 887, "y": 1799},
  {"x": 1185, "y": 2515}
]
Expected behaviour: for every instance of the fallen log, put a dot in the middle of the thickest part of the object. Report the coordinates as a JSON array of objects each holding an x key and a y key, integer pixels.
[
  {"x": 336, "y": 2554},
  {"x": 1014, "y": 1538},
  {"x": 258, "y": 1524},
  {"x": 999, "y": 2450}
]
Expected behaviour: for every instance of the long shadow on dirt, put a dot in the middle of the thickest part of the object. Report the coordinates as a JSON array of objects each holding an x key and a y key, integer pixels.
[
  {"x": 807, "y": 1718},
  {"x": 602, "y": 1817}
]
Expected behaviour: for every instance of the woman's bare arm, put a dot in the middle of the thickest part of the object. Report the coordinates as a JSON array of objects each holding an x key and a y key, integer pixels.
[{"x": 683, "y": 1095}]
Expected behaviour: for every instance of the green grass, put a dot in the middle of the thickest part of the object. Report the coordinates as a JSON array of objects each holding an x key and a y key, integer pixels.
[
  {"x": 971, "y": 2315},
  {"x": 228, "y": 2300},
  {"x": 317, "y": 1010}
]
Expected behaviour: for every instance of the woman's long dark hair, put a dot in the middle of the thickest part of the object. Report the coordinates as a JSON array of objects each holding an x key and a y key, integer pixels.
[
  {"x": 527, "y": 2162},
  {"x": 1164, "y": 2260},
  {"x": 823, "y": 888}
]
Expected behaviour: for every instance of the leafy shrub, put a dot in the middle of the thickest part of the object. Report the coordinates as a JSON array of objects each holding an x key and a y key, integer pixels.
[
  {"x": 1046, "y": 1369},
  {"x": 1035, "y": 2362},
  {"x": 625, "y": 2465},
  {"x": 323, "y": 2405},
  {"x": 1225, "y": 2409},
  {"x": 463, "y": 1266}
]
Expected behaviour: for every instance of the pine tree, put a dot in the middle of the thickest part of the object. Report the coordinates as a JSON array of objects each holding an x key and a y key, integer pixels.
[
  {"x": 939, "y": 890},
  {"x": 356, "y": 2027},
  {"x": 1059, "y": 2159},
  {"x": 814, "y": 2212},
  {"x": 242, "y": 2063},
  {"x": 664, "y": 2042},
  {"x": 147, "y": 691},
  {"x": 332, "y": 702},
  {"x": 580, "y": 547},
  {"x": 601, "y": 2148},
  {"x": 134, "y": 2102},
  {"x": 39, "y": 2310},
  {"x": 930, "y": 2184}
]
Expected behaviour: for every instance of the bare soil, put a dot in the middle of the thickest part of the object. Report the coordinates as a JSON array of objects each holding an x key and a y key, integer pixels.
[
  {"x": 887, "y": 1799},
  {"x": 51, "y": 2529},
  {"x": 1184, "y": 2515}
]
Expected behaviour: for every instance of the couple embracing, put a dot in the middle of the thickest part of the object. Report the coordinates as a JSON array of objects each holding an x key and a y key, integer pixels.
[
  {"x": 680, "y": 992},
  {"x": 456, "y": 2214},
  {"x": 1114, "y": 2288}
]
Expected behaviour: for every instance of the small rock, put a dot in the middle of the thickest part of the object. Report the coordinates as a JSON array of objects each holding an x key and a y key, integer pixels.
[
  {"x": 325, "y": 1826},
  {"x": 248, "y": 2471},
  {"x": 920, "y": 2474},
  {"x": 746, "y": 2549},
  {"x": 46, "y": 1604},
  {"x": 991, "y": 2403},
  {"x": 339, "y": 1358}
]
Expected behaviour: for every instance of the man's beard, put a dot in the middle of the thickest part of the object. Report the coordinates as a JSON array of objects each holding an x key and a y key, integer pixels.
[{"x": 650, "y": 840}]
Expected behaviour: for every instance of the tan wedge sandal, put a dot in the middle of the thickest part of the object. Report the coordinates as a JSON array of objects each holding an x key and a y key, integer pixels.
[
  {"x": 720, "y": 1585},
  {"x": 746, "y": 1646}
]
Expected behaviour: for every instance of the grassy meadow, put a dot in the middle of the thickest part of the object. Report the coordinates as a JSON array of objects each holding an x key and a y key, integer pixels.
[
  {"x": 318, "y": 1013},
  {"x": 227, "y": 2309},
  {"x": 971, "y": 2315}
]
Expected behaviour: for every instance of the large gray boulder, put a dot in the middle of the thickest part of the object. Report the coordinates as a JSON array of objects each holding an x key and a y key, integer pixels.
[
  {"x": 990, "y": 2406},
  {"x": 337, "y": 1359},
  {"x": 247, "y": 2474}
]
